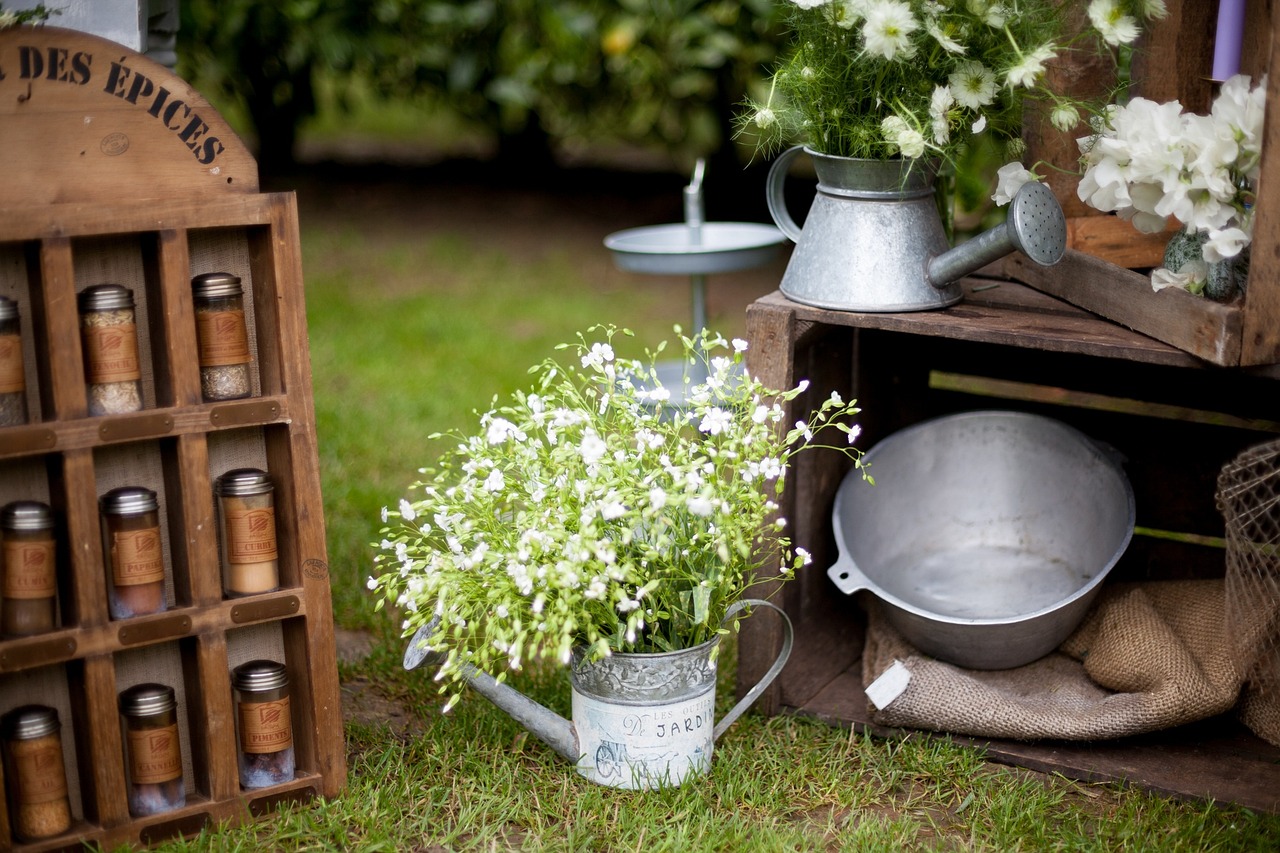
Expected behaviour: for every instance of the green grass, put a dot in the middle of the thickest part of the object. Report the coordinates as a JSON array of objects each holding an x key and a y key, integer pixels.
[{"x": 409, "y": 333}]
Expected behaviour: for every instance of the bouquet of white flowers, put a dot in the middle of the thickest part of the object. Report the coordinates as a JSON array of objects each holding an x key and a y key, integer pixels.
[
  {"x": 1149, "y": 161},
  {"x": 914, "y": 78},
  {"x": 588, "y": 512}
]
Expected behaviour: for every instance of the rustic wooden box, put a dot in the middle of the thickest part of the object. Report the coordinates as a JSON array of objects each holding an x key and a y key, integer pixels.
[
  {"x": 103, "y": 190},
  {"x": 1172, "y": 62},
  {"x": 1176, "y": 419}
]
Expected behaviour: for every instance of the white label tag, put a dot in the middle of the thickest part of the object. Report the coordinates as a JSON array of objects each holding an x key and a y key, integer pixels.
[{"x": 889, "y": 685}]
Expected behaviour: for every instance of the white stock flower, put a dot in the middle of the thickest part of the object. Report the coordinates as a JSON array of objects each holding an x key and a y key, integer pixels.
[
  {"x": 1010, "y": 178},
  {"x": 973, "y": 84},
  {"x": 1225, "y": 244},
  {"x": 887, "y": 29},
  {"x": 1192, "y": 276}
]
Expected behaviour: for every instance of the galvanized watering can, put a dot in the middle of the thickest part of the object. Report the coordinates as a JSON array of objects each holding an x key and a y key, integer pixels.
[
  {"x": 873, "y": 240},
  {"x": 639, "y": 720}
]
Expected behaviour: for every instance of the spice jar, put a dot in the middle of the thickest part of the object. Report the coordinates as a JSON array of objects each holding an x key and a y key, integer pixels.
[
  {"x": 109, "y": 335},
  {"x": 153, "y": 751},
  {"x": 222, "y": 337},
  {"x": 13, "y": 377},
  {"x": 28, "y": 596},
  {"x": 37, "y": 781},
  {"x": 266, "y": 730},
  {"x": 132, "y": 548},
  {"x": 247, "y": 532}
]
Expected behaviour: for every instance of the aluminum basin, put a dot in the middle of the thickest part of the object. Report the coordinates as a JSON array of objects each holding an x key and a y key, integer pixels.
[{"x": 986, "y": 536}]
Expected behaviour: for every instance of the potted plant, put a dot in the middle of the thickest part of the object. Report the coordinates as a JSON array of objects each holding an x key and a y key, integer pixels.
[{"x": 588, "y": 523}]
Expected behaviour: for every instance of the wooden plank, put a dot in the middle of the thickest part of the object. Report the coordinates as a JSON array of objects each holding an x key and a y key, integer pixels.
[
  {"x": 56, "y": 324},
  {"x": 1261, "y": 322},
  {"x": 90, "y": 120},
  {"x": 1111, "y": 239},
  {"x": 193, "y": 532},
  {"x": 1201, "y": 327},
  {"x": 167, "y": 264},
  {"x": 22, "y": 222}
]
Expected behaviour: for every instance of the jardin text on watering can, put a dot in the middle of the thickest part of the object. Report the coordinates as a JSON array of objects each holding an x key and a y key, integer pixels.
[{"x": 639, "y": 720}]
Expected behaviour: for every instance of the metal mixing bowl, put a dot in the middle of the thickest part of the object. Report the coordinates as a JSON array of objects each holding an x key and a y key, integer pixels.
[{"x": 986, "y": 536}]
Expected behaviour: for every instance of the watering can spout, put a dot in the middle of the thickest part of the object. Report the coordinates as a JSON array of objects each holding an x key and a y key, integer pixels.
[
  {"x": 1035, "y": 226},
  {"x": 549, "y": 727}
]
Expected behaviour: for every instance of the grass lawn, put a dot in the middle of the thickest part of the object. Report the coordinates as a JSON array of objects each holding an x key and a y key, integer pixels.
[{"x": 424, "y": 301}]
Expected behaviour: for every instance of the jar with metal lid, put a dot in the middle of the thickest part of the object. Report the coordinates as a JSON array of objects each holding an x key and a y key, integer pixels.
[
  {"x": 153, "y": 761},
  {"x": 28, "y": 596},
  {"x": 265, "y": 727},
  {"x": 13, "y": 377},
  {"x": 247, "y": 532},
  {"x": 222, "y": 336},
  {"x": 133, "y": 551},
  {"x": 109, "y": 335},
  {"x": 37, "y": 780}
]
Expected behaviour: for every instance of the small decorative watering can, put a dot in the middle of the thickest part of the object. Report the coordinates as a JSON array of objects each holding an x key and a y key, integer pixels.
[
  {"x": 639, "y": 720},
  {"x": 874, "y": 241}
]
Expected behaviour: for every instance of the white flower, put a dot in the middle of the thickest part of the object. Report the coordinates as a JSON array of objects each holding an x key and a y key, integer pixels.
[
  {"x": 700, "y": 506},
  {"x": 384, "y": 515},
  {"x": 739, "y": 345},
  {"x": 1030, "y": 68},
  {"x": 1010, "y": 178},
  {"x": 1192, "y": 276},
  {"x": 495, "y": 482},
  {"x": 371, "y": 583},
  {"x": 657, "y": 498},
  {"x": 973, "y": 84},
  {"x": 765, "y": 117},
  {"x": 760, "y": 414},
  {"x": 810, "y": 4},
  {"x": 715, "y": 421},
  {"x": 888, "y": 28},
  {"x": 944, "y": 41},
  {"x": 599, "y": 354},
  {"x": 501, "y": 429},
  {"x": 906, "y": 138},
  {"x": 592, "y": 448},
  {"x": 939, "y": 104},
  {"x": 979, "y": 125},
  {"x": 805, "y": 557},
  {"x": 407, "y": 511},
  {"x": 8, "y": 19},
  {"x": 1064, "y": 117},
  {"x": 1109, "y": 19},
  {"x": 1224, "y": 244}
]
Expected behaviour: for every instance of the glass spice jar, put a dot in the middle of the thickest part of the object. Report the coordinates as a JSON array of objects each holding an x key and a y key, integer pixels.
[
  {"x": 153, "y": 761},
  {"x": 265, "y": 728},
  {"x": 13, "y": 377},
  {"x": 28, "y": 596},
  {"x": 222, "y": 337},
  {"x": 132, "y": 549},
  {"x": 37, "y": 780},
  {"x": 109, "y": 334},
  {"x": 247, "y": 532}
]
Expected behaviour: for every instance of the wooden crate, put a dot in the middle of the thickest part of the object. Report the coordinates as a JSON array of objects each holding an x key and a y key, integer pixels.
[
  {"x": 1006, "y": 346},
  {"x": 104, "y": 190},
  {"x": 1172, "y": 62}
]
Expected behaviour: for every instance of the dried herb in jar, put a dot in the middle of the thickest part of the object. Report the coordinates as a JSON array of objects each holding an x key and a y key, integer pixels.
[
  {"x": 265, "y": 727},
  {"x": 109, "y": 334},
  {"x": 222, "y": 336},
  {"x": 247, "y": 532},
  {"x": 28, "y": 596},
  {"x": 154, "y": 751},
  {"x": 37, "y": 780},
  {"x": 13, "y": 378},
  {"x": 133, "y": 551}
]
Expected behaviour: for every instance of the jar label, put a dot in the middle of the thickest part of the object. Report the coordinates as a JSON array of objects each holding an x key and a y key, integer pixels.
[
  {"x": 265, "y": 726},
  {"x": 29, "y": 569},
  {"x": 111, "y": 353},
  {"x": 41, "y": 777},
  {"x": 155, "y": 755},
  {"x": 13, "y": 378},
  {"x": 223, "y": 338},
  {"x": 136, "y": 557},
  {"x": 251, "y": 533}
]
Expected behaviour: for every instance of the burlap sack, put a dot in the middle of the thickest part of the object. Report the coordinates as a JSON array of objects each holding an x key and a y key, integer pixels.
[{"x": 1148, "y": 657}]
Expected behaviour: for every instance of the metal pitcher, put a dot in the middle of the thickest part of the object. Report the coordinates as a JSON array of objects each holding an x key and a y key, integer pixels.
[
  {"x": 873, "y": 240},
  {"x": 639, "y": 720}
]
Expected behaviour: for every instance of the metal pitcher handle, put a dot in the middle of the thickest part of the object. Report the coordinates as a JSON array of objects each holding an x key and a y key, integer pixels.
[
  {"x": 778, "y": 200},
  {"x": 788, "y": 639}
]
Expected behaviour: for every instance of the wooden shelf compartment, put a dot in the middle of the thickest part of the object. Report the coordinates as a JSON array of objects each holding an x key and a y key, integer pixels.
[{"x": 1174, "y": 418}]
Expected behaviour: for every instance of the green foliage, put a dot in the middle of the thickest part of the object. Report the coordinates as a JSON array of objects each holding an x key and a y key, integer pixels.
[{"x": 531, "y": 71}]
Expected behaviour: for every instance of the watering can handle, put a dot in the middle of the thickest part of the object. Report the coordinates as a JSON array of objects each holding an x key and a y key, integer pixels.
[
  {"x": 788, "y": 639},
  {"x": 777, "y": 198}
]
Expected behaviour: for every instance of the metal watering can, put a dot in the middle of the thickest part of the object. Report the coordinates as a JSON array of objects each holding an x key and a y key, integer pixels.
[
  {"x": 639, "y": 720},
  {"x": 873, "y": 239}
]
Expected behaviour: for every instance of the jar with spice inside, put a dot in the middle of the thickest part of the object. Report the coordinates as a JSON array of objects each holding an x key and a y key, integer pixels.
[
  {"x": 37, "y": 780},
  {"x": 133, "y": 552},
  {"x": 153, "y": 749},
  {"x": 265, "y": 727},
  {"x": 247, "y": 532},
  {"x": 13, "y": 377},
  {"x": 28, "y": 596},
  {"x": 222, "y": 336},
  {"x": 109, "y": 335}
]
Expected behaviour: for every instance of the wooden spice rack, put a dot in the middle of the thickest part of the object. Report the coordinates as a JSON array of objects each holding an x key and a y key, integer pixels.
[{"x": 115, "y": 183}]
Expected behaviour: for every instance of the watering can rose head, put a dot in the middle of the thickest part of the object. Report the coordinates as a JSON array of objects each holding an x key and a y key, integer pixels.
[
  {"x": 921, "y": 78},
  {"x": 590, "y": 512}
]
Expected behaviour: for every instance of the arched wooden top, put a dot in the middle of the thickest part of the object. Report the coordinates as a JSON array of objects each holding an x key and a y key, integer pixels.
[{"x": 85, "y": 119}]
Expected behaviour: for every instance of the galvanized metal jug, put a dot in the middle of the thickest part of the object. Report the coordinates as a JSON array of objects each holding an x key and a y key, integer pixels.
[
  {"x": 639, "y": 720},
  {"x": 873, "y": 239}
]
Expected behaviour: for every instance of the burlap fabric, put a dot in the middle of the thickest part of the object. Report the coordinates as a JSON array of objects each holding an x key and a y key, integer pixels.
[{"x": 1147, "y": 657}]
